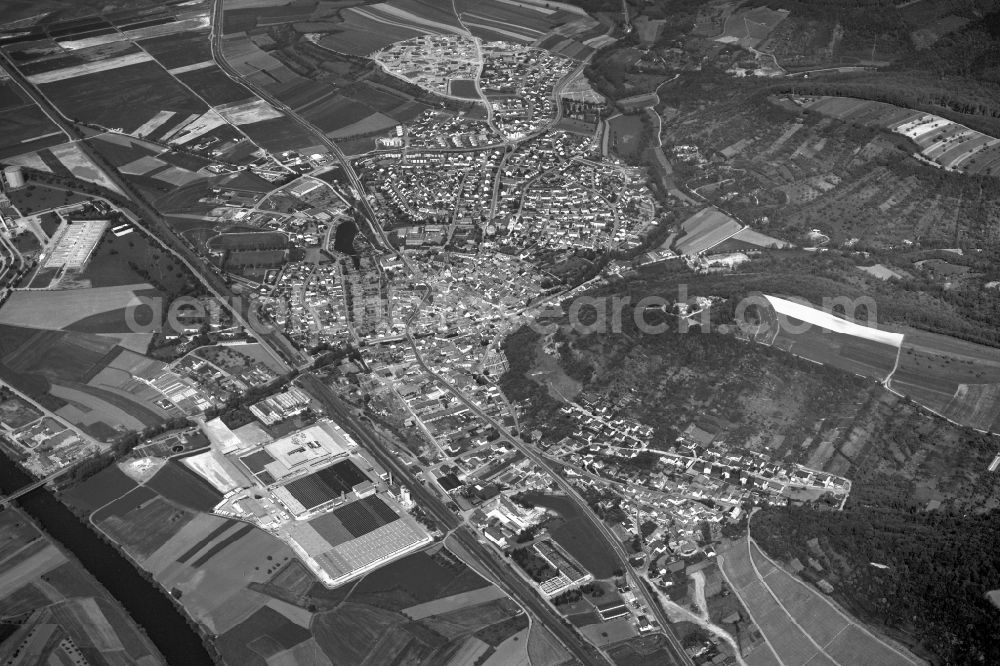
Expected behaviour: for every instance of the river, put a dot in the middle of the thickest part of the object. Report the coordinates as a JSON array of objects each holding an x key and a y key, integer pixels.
[{"x": 148, "y": 605}]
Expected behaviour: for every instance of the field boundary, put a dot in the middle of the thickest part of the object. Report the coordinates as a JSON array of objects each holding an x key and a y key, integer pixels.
[{"x": 850, "y": 620}]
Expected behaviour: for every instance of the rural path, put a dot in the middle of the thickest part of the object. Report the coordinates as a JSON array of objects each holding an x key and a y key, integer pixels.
[
  {"x": 746, "y": 607},
  {"x": 699, "y": 593},
  {"x": 777, "y": 600}
]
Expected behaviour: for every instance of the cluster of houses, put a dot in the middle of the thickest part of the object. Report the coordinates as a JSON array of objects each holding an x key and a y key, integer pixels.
[
  {"x": 431, "y": 61},
  {"x": 519, "y": 81},
  {"x": 307, "y": 302}
]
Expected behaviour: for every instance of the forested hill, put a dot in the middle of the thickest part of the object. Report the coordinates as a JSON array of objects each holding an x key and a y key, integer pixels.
[
  {"x": 923, "y": 505},
  {"x": 940, "y": 567}
]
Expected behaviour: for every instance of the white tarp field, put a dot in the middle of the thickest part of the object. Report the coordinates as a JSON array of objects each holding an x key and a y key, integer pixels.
[{"x": 831, "y": 322}]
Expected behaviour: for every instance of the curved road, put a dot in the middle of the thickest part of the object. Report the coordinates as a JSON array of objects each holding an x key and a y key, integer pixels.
[{"x": 217, "y": 55}]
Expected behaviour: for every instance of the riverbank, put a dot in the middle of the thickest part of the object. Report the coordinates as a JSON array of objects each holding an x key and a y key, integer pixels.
[{"x": 145, "y": 602}]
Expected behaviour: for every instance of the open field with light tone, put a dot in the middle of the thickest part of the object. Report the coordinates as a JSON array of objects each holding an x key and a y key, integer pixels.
[
  {"x": 89, "y": 68},
  {"x": 454, "y": 602},
  {"x": 512, "y": 652},
  {"x": 248, "y": 112},
  {"x": 55, "y": 310}
]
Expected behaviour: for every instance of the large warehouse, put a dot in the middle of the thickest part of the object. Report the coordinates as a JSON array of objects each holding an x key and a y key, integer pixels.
[{"x": 298, "y": 454}]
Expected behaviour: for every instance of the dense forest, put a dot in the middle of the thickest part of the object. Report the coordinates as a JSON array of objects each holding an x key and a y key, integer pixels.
[
  {"x": 962, "y": 310},
  {"x": 540, "y": 410}
]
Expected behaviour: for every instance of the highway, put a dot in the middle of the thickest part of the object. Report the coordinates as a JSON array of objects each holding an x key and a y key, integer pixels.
[{"x": 509, "y": 582}]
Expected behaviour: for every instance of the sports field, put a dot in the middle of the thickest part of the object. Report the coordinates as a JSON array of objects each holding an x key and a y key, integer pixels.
[
  {"x": 799, "y": 624},
  {"x": 264, "y": 240}
]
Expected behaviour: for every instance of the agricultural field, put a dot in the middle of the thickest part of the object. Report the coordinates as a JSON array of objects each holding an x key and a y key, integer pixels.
[
  {"x": 796, "y": 619},
  {"x": 177, "y": 483},
  {"x": 15, "y": 412},
  {"x": 207, "y": 563},
  {"x": 958, "y": 379},
  {"x": 159, "y": 82},
  {"x": 105, "y": 486},
  {"x": 822, "y": 182},
  {"x": 149, "y": 166},
  {"x": 521, "y": 22},
  {"x": 939, "y": 141},
  {"x": 62, "y": 346},
  {"x": 72, "y": 374},
  {"x": 249, "y": 589},
  {"x": 214, "y": 86},
  {"x": 23, "y": 126},
  {"x": 912, "y": 475},
  {"x": 40, "y": 585},
  {"x": 750, "y": 27},
  {"x": 823, "y": 337},
  {"x": 124, "y": 97},
  {"x": 142, "y": 530},
  {"x": 704, "y": 230},
  {"x": 179, "y": 51}
]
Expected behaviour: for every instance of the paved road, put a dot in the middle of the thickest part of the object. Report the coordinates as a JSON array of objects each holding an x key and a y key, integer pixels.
[
  {"x": 147, "y": 218},
  {"x": 516, "y": 587},
  {"x": 378, "y": 234},
  {"x": 678, "y": 656}
]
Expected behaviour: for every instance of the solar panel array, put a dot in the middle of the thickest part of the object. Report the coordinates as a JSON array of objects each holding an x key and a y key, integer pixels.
[{"x": 366, "y": 515}]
